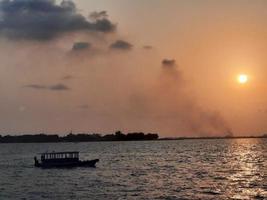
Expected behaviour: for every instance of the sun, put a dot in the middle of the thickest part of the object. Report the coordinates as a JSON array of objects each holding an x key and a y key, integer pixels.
[{"x": 242, "y": 78}]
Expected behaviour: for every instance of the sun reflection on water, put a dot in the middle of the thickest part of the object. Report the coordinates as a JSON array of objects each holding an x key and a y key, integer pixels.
[{"x": 246, "y": 171}]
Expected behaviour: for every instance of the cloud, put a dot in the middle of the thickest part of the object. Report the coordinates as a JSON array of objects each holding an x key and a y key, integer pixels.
[
  {"x": 168, "y": 62},
  {"x": 147, "y": 47},
  {"x": 67, "y": 77},
  {"x": 36, "y": 86},
  {"x": 171, "y": 71},
  {"x": 55, "y": 87},
  {"x": 59, "y": 87},
  {"x": 122, "y": 45},
  {"x": 98, "y": 15},
  {"x": 81, "y": 46},
  {"x": 45, "y": 19}
]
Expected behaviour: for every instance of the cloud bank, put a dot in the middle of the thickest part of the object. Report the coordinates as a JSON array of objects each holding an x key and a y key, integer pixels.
[
  {"x": 121, "y": 45},
  {"x": 56, "y": 87},
  {"x": 45, "y": 19},
  {"x": 81, "y": 46}
]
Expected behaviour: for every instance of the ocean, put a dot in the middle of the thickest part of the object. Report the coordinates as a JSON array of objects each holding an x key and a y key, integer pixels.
[{"x": 180, "y": 169}]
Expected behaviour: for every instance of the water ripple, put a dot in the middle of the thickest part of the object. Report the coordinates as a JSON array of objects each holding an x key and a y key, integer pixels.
[{"x": 187, "y": 169}]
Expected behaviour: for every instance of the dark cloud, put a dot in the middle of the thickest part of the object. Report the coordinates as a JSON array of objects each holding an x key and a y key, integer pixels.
[
  {"x": 51, "y": 87},
  {"x": 45, "y": 19},
  {"x": 120, "y": 44},
  {"x": 98, "y": 15},
  {"x": 147, "y": 47},
  {"x": 171, "y": 70},
  {"x": 67, "y": 77},
  {"x": 168, "y": 62},
  {"x": 81, "y": 46},
  {"x": 36, "y": 86},
  {"x": 59, "y": 87}
]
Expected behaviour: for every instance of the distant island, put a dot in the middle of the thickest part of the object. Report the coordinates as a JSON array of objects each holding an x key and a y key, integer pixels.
[
  {"x": 80, "y": 137},
  {"x": 117, "y": 136}
]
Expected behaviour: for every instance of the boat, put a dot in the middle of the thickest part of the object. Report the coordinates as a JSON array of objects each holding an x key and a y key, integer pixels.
[{"x": 62, "y": 159}]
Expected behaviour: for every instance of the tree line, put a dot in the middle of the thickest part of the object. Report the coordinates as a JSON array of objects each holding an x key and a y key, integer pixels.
[{"x": 80, "y": 137}]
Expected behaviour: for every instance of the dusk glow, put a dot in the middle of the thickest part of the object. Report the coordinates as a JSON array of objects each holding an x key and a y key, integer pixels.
[{"x": 156, "y": 66}]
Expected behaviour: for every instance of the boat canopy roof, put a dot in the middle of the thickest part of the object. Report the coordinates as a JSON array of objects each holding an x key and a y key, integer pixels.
[
  {"x": 57, "y": 153},
  {"x": 60, "y": 155}
]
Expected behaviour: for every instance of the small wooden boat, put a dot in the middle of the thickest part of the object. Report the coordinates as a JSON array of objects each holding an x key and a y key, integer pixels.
[{"x": 63, "y": 159}]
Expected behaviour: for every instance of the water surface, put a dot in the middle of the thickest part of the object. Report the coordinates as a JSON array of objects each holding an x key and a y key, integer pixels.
[{"x": 184, "y": 169}]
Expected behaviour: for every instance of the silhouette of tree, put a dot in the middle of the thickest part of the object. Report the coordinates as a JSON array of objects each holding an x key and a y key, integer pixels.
[{"x": 80, "y": 137}]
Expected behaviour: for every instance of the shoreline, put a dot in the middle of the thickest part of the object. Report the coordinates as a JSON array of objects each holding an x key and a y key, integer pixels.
[{"x": 139, "y": 140}]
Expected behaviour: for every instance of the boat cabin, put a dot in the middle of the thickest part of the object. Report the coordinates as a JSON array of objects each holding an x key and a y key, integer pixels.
[
  {"x": 60, "y": 156},
  {"x": 63, "y": 159}
]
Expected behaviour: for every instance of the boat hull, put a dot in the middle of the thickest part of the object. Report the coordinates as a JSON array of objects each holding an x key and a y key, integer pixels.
[{"x": 86, "y": 163}]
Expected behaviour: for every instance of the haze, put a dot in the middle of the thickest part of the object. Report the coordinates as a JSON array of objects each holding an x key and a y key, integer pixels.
[{"x": 164, "y": 66}]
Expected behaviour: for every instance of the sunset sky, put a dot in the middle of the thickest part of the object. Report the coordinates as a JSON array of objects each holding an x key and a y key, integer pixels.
[{"x": 166, "y": 66}]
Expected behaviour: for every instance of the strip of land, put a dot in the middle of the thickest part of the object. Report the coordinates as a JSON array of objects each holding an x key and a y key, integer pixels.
[
  {"x": 84, "y": 137},
  {"x": 80, "y": 137}
]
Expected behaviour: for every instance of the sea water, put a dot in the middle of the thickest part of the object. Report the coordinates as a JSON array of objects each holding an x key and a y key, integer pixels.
[{"x": 181, "y": 169}]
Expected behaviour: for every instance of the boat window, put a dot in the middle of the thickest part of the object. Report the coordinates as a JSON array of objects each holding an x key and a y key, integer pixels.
[{"x": 61, "y": 155}]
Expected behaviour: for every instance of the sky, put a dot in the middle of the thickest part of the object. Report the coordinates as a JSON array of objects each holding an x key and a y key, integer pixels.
[{"x": 168, "y": 67}]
